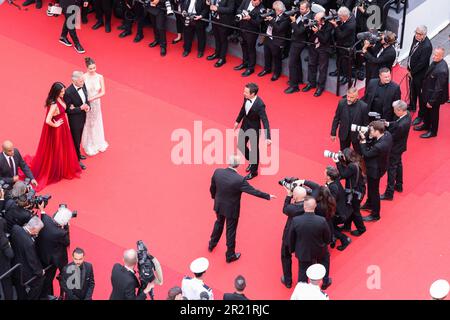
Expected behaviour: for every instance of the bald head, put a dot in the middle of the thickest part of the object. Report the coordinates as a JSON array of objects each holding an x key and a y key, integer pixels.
[
  {"x": 319, "y": 16},
  {"x": 309, "y": 204},
  {"x": 299, "y": 194},
  {"x": 130, "y": 258},
  {"x": 234, "y": 161},
  {"x": 8, "y": 148}
]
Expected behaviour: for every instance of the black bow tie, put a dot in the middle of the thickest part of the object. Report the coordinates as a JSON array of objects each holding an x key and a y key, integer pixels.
[{"x": 79, "y": 88}]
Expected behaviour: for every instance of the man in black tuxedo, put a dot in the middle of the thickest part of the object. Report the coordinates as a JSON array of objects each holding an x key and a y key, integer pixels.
[
  {"x": 300, "y": 35},
  {"x": 350, "y": 110},
  {"x": 199, "y": 10},
  {"x": 434, "y": 93},
  {"x": 239, "y": 285},
  {"x": 76, "y": 99},
  {"x": 52, "y": 244},
  {"x": 277, "y": 26},
  {"x": 77, "y": 278},
  {"x": 226, "y": 189},
  {"x": 381, "y": 55},
  {"x": 309, "y": 238},
  {"x": 381, "y": 93},
  {"x": 252, "y": 112},
  {"x": 417, "y": 64},
  {"x": 251, "y": 21},
  {"x": 158, "y": 18},
  {"x": 376, "y": 156},
  {"x": 222, "y": 11},
  {"x": 23, "y": 244},
  {"x": 124, "y": 281},
  {"x": 400, "y": 131},
  {"x": 10, "y": 162},
  {"x": 68, "y": 8}
]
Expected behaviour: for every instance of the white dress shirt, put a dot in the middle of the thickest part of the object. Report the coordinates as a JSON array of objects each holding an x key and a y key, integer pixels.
[
  {"x": 249, "y": 104},
  {"x": 81, "y": 94},
  {"x": 191, "y": 8},
  {"x": 250, "y": 7}
]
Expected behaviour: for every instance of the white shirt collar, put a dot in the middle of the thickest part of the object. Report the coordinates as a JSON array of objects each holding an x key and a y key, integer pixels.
[
  {"x": 129, "y": 269},
  {"x": 6, "y": 156},
  {"x": 253, "y": 100},
  {"x": 402, "y": 116}
]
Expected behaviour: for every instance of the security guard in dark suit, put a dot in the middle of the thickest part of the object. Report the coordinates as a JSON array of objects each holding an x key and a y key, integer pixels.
[{"x": 157, "y": 11}]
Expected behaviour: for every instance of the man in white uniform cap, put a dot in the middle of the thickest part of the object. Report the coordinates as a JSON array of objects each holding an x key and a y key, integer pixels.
[
  {"x": 439, "y": 289},
  {"x": 311, "y": 290},
  {"x": 192, "y": 288}
]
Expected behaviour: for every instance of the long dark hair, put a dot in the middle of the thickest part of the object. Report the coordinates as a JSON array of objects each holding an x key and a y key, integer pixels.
[
  {"x": 54, "y": 93},
  {"x": 352, "y": 157},
  {"x": 326, "y": 202}
]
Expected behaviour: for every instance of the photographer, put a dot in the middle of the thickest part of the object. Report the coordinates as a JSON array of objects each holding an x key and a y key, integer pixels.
[
  {"x": 319, "y": 54},
  {"x": 84, "y": 271},
  {"x": 376, "y": 155},
  {"x": 293, "y": 206},
  {"x": 300, "y": 35},
  {"x": 6, "y": 255},
  {"x": 52, "y": 245},
  {"x": 17, "y": 209},
  {"x": 250, "y": 11},
  {"x": 194, "y": 11},
  {"x": 124, "y": 281},
  {"x": 158, "y": 18},
  {"x": 344, "y": 34},
  {"x": 278, "y": 26},
  {"x": 134, "y": 11},
  {"x": 400, "y": 131},
  {"x": 222, "y": 11},
  {"x": 350, "y": 110},
  {"x": 380, "y": 55},
  {"x": 351, "y": 169},
  {"x": 103, "y": 8},
  {"x": 10, "y": 162}
]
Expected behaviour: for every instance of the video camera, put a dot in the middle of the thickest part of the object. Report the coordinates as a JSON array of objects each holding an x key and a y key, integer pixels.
[
  {"x": 310, "y": 23},
  {"x": 333, "y": 155},
  {"x": 376, "y": 116},
  {"x": 146, "y": 266},
  {"x": 292, "y": 12},
  {"x": 372, "y": 37}
]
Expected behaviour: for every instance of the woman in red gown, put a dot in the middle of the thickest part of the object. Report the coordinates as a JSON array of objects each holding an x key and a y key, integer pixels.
[{"x": 55, "y": 157}]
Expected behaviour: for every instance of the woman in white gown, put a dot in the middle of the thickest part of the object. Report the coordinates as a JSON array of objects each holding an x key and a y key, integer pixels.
[{"x": 93, "y": 139}]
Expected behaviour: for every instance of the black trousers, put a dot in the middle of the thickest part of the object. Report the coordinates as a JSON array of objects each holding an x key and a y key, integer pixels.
[
  {"x": 336, "y": 232},
  {"x": 343, "y": 63},
  {"x": 318, "y": 60},
  {"x": 221, "y": 40},
  {"x": 373, "y": 195},
  {"x": 76, "y": 124},
  {"x": 103, "y": 8},
  {"x": 243, "y": 141},
  {"x": 286, "y": 262},
  {"x": 248, "y": 46},
  {"x": 415, "y": 92},
  {"x": 179, "y": 23},
  {"x": 395, "y": 173},
  {"x": 304, "y": 265},
  {"x": 272, "y": 54},
  {"x": 68, "y": 28},
  {"x": 355, "y": 217},
  {"x": 47, "y": 287},
  {"x": 231, "y": 233},
  {"x": 35, "y": 288},
  {"x": 350, "y": 141},
  {"x": 295, "y": 64},
  {"x": 158, "y": 19},
  {"x": 140, "y": 13},
  {"x": 431, "y": 119},
  {"x": 196, "y": 28}
]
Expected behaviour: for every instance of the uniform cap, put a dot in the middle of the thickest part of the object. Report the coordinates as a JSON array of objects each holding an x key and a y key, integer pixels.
[
  {"x": 199, "y": 265},
  {"x": 439, "y": 289},
  {"x": 316, "y": 272}
]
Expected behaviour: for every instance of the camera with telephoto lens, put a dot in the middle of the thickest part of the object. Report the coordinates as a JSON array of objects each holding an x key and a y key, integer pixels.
[
  {"x": 32, "y": 199},
  {"x": 333, "y": 155},
  {"x": 169, "y": 10},
  {"x": 74, "y": 213},
  {"x": 373, "y": 38},
  {"x": 356, "y": 128},
  {"x": 146, "y": 266},
  {"x": 290, "y": 183},
  {"x": 3, "y": 185},
  {"x": 268, "y": 13},
  {"x": 292, "y": 12},
  {"x": 188, "y": 18},
  {"x": 332, "y": 16},
  {"x": 241, "y": 16},
  {"x": 311, "y": 23}
]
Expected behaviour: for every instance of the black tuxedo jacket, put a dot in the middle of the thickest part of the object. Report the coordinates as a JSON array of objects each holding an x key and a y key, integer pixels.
[
  {"x": 435, "y": 84},
  {"x": 310, "y": 236},
  {"x": 124, "y": 284},
  {"x": 280, "y": 28},
  {"x": 400, "y": 131},
  {"x": 5, "y": 170},
  {"x": 234, "y": 296},
  {"x": 25, "y": 253},
  {"x": 345, "y": 34},
  {"x": 291, "y": 210},
  {"x": 226, "y": 189},
  {"x": 52, "y": 243},
  {"x": 324, "y": 37},
  {"x": 374, "y": 64},
  {"x": 87, "y": 282},
  {"x": 201, "y": 8},
  {"x": 71, "y": 97},
  {"x": 299, "y": 32},
  {"x": 392, "y": 94},
  {"x": 376, "y": 155},
  {"x": 342, "y": 119},
  {"x": 15, "y": 215},
  {"x": 225, "y": 11},
  {"x": 256, "y": 114},
  {"x": 254, "y": 24},
  {"x": 420, "y": 59}
]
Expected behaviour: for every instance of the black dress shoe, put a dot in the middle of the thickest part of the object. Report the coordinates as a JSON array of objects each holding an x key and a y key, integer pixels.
[
  {"x": 153, "y": 44},
  {"x": 28, "y": 2},
  {"x": 82, "y": 166},
  {"x": 248, "y": 168},
  {"x": 122, "y": 27},
  {"x": 200, "y": 54},
  {"x": 65, "y": 41},
  {"x": 97, "y": 25},
  {"x": 82, "y": 157},
  {"x": 251, "y": 175},
  {"x": 357, "y": 233},
  {"x": 427, "y": 135},
  {"x": 422, "y": 127},
  {"x": 344, "y": 245},
  {"x": 138, "y": 38},
  {"x": 275, "y": 77},
  {"x": 124, "y": 34},
  {"x": 291, "y": 90},
  {"x": 185, "y": 53},
  {"x": 398, "y": 188},
  {"x": 108, "y": 28},
  {"x": 263, "y": 73},
  {"x": 163, "y": 51},
  {"x": 286, "y": 284},
  {"x": 318, "y": 92},
  {"x": 307, "y": 88},
  {"x": 240, "y": 67},
  {"x": 343, "y": 80},
  {"x": 366, "y": 207},
  {"x": 175, "y": 41},
  {"x": 371, "y": 218},
  {"x": 325, "y": 285},
  {"x": 417, "y": 121},
  {"x": 219, "y": 63},
  {"x": 333, "y": 244},
  {"x": 235, "y": 257},
  {"x": 385, "y": 196},
  {"x": 247, "y": 72},
  {"x": 79, "y": 48},
  {"x": 212, "y": 57}
]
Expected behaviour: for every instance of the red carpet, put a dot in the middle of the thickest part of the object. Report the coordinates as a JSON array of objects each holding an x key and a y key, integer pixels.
[{"x": 134, "y": 191}]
